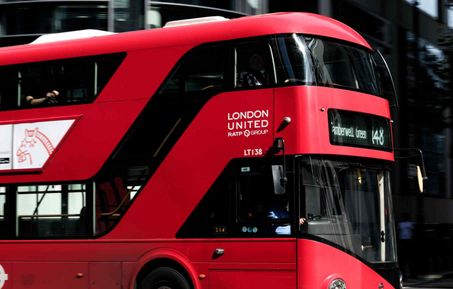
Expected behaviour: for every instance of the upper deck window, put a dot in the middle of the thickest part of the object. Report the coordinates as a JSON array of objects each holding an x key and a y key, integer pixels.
[
  {"x": 203, "y": 69},
  {"x": 293, "y": 61},
  {"x": 253, "y": 64},
  {"x": 76, "y": 80},
  {"x": 244, "y": 64},
  {"x": 343, "y": 66},
  {"x": 323, "y": 62}
]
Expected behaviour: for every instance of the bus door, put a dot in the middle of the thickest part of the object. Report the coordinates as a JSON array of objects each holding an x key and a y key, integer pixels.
[{"x": 245, "y": 221}]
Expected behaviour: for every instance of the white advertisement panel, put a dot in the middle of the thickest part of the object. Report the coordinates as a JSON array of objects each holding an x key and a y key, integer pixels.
[
  {"x": 6, "y": 145},
  {"x": 35, "y": 142}
]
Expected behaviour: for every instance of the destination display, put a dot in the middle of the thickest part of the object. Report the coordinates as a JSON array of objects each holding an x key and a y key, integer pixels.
[{"x": 359, "y": 130}]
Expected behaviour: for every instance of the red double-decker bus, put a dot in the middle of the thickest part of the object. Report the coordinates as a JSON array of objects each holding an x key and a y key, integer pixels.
[{"x": 245, "y": 153}]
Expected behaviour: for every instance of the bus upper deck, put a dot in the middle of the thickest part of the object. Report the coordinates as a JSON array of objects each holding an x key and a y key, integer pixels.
[{"x": 105, "y": 82}]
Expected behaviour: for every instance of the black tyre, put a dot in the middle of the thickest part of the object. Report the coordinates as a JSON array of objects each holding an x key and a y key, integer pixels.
[{"x": 164, "y": 278}]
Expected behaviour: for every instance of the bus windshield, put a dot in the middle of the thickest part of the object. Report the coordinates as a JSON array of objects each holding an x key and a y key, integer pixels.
[
  {"x": 349, "y": 205},
  {"x": 324, "y": 62}
]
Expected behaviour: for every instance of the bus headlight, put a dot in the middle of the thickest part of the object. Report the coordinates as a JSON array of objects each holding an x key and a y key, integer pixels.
[{"x": 337, "y": 284}]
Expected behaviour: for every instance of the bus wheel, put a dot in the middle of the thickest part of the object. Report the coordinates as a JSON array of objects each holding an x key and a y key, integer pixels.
[{"x": 164, "y": 278}]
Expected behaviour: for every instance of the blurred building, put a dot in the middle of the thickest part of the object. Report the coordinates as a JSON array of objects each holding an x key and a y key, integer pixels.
[
  {"x": 414, "y": 36},
  {"x": 21, "y": 21}
]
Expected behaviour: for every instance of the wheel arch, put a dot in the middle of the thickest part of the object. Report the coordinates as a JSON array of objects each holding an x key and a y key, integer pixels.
[{"x": 164, "y": 258}]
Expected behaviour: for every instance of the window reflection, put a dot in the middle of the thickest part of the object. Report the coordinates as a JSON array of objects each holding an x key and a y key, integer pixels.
[
  {"x": 428, "y": 109},
  {"x": 69, "y": 18},
  {"x": 349, "y": 204},
  {"x": 77, "y": 80},
  {"x": 39, "y": 17},
  {"x": 66, "y": 210},
  {"x": 302, "y": 60}
]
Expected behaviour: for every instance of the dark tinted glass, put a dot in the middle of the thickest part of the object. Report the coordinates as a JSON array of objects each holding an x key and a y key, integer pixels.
[
  {"x": 343, "y": 66},
  {"x": 78, "y": 80},
  {"x": 292, "y": 61},
  {"x": 253, "y": 64},
  {"x": 302, "y": 60},
  {"x": 201, "y": 70},
  {"x": 241, "y": 203}
]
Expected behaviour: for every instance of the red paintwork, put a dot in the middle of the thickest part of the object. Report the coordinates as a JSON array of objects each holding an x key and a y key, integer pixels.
[
  {"x": 147, "y": 231},
  {"x": 319, "y": 264},
  {"x": 308, "y": 132}
]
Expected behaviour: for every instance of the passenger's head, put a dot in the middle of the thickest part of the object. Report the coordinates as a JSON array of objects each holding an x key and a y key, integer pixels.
[{"x": 256, "y": 62}]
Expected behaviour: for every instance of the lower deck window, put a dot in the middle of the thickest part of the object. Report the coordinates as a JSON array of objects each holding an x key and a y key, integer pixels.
[{"x": 64, "y": 210}]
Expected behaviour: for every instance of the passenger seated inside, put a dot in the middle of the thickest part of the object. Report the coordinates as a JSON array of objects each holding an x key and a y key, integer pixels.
[
  {"x": 50, "y": 98},
  {"x": 255, "y": 73}
]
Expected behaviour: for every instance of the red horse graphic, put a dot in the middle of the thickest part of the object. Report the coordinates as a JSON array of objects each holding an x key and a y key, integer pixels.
[{"x": 32, "y": 136}]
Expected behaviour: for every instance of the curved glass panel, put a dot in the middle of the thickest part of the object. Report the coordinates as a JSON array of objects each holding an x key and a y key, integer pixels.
[
  {"x": 342, "y": 65},
  {"x": 293, "y": 61},
  {"x": 302, "y": 60},
  {"x": 349, "y": 204}
]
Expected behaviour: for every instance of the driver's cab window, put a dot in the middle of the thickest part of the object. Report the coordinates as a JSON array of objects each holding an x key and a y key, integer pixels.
[
  {"x": 261, "y": 208},
  {"x": 243, "y": 202}
]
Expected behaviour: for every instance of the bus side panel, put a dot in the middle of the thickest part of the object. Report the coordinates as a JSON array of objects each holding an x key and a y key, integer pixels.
[
  {"x": 100, "y": 125},
  {"x": 105, "y": 275},
  {"x": 44, "y": 275},
  {"x": 197, "y": 159},
  {"x": 250, "y": 263},
  {"x": 251, "y": 279},
  {"x": 142, "y": 73}
]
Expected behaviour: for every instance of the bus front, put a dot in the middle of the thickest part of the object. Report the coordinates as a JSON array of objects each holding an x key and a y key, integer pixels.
[{"x": 333, "y": 126}]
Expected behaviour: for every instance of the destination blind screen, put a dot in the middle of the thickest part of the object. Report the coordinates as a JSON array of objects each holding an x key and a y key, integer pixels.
[{"x": 359, "y": 130}]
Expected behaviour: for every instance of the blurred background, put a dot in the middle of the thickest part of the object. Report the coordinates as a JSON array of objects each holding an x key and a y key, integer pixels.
[{"x": 416, "y": 38}]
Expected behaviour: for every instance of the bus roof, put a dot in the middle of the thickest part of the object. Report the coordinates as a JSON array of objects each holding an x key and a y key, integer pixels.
[
  {"x": 186, "y": 35},
  {"x": 70, "y": 35}
]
